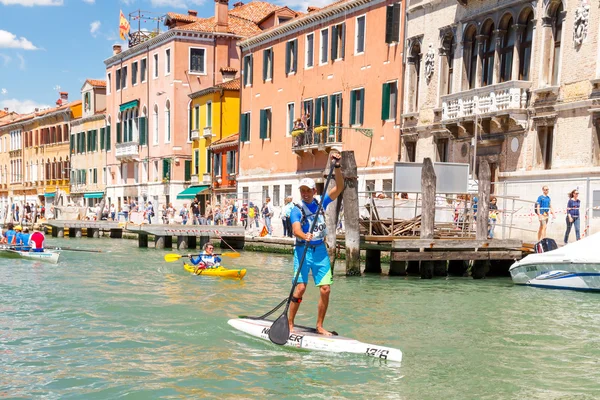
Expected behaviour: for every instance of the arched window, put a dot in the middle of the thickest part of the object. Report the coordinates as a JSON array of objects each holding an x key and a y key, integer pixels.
[
  {"x": 447, "y": 74},
  {"x": 155, "y": 125},
  {"x": 525, "y": 51},
  {"x": 557, "y": 22},
  {"x": 489, "y": 49},
  {"x": 507, "y": 51},
  {"x": 168, "y": 122},
  {"x": 470, "y": 57}
]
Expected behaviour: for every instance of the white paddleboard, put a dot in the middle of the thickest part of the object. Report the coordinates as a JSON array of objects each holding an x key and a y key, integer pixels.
[{"x": 307, "y": 338}]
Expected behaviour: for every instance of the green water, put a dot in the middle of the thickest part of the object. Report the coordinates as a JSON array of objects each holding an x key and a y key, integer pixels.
[{"x": 125, "y": 324}]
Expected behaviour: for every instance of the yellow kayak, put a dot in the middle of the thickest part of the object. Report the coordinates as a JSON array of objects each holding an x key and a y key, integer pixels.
[{"x": 219, "y": 271}]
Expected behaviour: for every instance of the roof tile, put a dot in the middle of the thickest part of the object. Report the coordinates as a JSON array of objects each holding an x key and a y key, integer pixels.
[{"x": 96, "y": 82}]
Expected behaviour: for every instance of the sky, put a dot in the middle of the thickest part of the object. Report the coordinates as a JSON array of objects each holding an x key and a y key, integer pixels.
[{"x": 47, "y": 46}]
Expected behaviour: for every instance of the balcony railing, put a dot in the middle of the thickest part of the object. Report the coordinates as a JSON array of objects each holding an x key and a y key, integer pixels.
[
  {"x": 207, "y": 179},
  {"x": 314, "y": 137},
  {"x": 207, "y": 132},
  {"x": 195, "y": 134},
  {"x": 127, "y": 150},
  {"x": 499, "y": 98}
]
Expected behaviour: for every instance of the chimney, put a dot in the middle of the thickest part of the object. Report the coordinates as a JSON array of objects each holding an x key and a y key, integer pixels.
[
  {"x": 312, "y": 8},
  {"x": 116, "y": 49},
  {"x": 37, "y": 109},
  {"x": 221, "y": 15},
  {"x": 228, "y": 73},
  {"x": 193, "y": 13},
  {"x": 64, "y": 96},
  {"x": 238, "y": 4}
]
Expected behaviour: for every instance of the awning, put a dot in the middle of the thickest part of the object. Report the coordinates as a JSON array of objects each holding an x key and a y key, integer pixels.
[
  {"x": 50, "y": 194},
  {"x": 191, "y": 192},
  {"x": 93, "y": 195},
  {"x": 129, "y": 104}
]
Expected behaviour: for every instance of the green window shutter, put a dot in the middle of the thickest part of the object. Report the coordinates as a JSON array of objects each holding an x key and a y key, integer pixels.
[
  {"x": 296, "y": 55},
  {"x": 318, "y": 112},
  {"x": 130, "y": 130},
  {"x": 332, "y": 109},
  {"x": 251, "y": 63},
  {"x": 190, "y": 126},
  {"x": 264, "y": 70},
  {"x": 108, "y": 144},
  {"x": 396, "y": 23},
  {"x": 389, "y": 18},
  {"x": 188, "y": 170},
  {"x": 287, "y": 57},
  {"x": 385, "y": 102},
  {"x": 125, "y": 134},
  {"x": 324, "y": 107},
  {"x": 143, "y": 129},
  {"x": 166, "y": 169},
  {"x": 343, "y": 49},
  {"x": 361, "y": 119},
  {"x": 71, "y": 144},
  {"x": 334, "y": 43},
  {"x": 118, "y": 132},
  {"x": 244, "y": 128},
  {"x": 353, "y": 107},
  {"x": 263, "y": 124},
  {"x": 102, "y": 138}
]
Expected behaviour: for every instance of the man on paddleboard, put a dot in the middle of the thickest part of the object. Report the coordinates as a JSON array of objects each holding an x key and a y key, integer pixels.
[{"x": 317, "y": 259}]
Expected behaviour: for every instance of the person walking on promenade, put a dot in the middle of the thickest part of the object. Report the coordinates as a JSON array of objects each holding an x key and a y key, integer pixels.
[
  {"x": 493, "y": 208},
  {"x": 573, "y": 214},
  {"x": 543, "y": 207},
  {"x": 285, "y": 217},
  {"x": 208, "y": 213},
  {"x": 317, "y": 259},
  {"x": 267, "y": 213},
  {"x": 244, "y": 216}
]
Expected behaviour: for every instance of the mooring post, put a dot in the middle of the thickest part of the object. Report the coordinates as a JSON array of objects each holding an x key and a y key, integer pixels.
[
  {"x": 428, "y": 186},
  {"x": 92, "y": 233},
  {"x": 168, "y": 242},
  {"x": 332, "y": 218},
  {"x": 60, "y": 232},
  {"x": 192, "y": 242},
  {"x": 142, "y": 240},
  {"x": 351, "y": 213},
  {"x": 159, "y": 242},
  {"x": 373, "y": 261},
  {"x": 484, "y": 183},
  {"x": 182, "y": 242}
]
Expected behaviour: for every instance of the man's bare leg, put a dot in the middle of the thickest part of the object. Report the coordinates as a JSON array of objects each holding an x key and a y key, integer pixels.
[
  {"x": 298, "y": 293},
  {"x": 322, "y": 309}
]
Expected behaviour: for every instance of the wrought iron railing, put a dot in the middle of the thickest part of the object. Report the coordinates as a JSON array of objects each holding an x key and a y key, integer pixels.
[{"x": 319, "y": 135}]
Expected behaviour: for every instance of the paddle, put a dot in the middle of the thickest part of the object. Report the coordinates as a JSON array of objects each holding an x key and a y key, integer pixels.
[
  {"x": 71, "y": 249},
  {"x": 175, "y": 257},
  {"x": 280, "y": 330}
]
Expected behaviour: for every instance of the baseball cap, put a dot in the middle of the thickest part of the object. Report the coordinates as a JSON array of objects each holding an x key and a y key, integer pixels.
[
  {"x": 18, "y": 228},
  {"x": 308, "y": 182}
]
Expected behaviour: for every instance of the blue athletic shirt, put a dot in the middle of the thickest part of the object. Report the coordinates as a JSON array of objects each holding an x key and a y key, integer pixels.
[
  {"x": 10, "y": 235},
  {"x": 544, "y": 202},
  {"x": 296, "y": 216}
]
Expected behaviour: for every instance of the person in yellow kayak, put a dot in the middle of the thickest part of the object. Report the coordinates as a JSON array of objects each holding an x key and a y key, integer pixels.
[{"x": 206, "y": 259}]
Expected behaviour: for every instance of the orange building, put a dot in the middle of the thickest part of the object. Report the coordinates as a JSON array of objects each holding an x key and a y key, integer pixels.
[{"x": 327, "y": 80}]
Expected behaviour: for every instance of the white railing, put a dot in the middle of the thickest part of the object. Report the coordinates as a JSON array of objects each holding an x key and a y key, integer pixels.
[
  {"x": 195, "y": 134},
  {"x": 207, "y": 179},
  {"x": 207, "y": 132},
  {"x": 127, "y": 150},
  {"x": 510, "y": 95}
]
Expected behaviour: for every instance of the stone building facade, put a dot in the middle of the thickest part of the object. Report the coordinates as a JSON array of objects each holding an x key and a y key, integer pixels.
[{"x": 523, "y": 78}]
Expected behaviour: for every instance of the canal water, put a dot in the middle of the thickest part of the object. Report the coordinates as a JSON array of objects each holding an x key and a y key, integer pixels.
[{"x": 125, "y": 324}]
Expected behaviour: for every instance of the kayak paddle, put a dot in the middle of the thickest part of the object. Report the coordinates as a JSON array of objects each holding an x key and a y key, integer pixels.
[
  {"x": 175, "y": 257},
  {"x": 280, "y": 330}
]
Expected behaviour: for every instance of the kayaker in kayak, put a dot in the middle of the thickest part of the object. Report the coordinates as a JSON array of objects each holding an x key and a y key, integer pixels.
[
  {"x": 37, "y": 241},
  {"x": 317, "y": 259},
  {"x": 206, "y": 259}
]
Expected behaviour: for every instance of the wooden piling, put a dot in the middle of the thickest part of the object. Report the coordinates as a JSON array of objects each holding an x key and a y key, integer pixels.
[
  {"x": 428, "y": 186},
  {"x": 203, "y": 240},
  {"x": 397, "y": 268},
  {"x": 182, "y": 243},
  {"x": 351, "y": 213},
  {"x": 159, "y": 242},
  {"x": 142, "y": 240},
  {"x": 168, "y": 242},
  {"x": 116, "y": 233},
  {"x": 373, "y": 261},
  {"x": 192, "y": 242},
  {"x": 484, "y": 184}
]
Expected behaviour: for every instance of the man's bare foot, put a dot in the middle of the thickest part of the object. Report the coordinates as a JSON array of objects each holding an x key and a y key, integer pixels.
[{"x": 322, "y": 331}]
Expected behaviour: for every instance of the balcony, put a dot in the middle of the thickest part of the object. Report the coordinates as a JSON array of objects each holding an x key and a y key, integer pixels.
[
  {"x": 207, "y": 132},
  {"x": 195, "y": 134},
  {"x": 129, "y": 150},
  {"x": 320, "y": 138},
  {"x": 507, "y": 98},
  {"x": 206, "y": 179}
]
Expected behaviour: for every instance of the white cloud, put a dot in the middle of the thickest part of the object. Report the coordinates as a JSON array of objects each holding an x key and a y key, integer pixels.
[
  {"x": 10, "y": 41},
  {"x": 4, "y": 91},
  {"x": 127, "y": 2},
  {"x": 89, "y": 1},
  {"x": 21, "y": 106},
  {"x": 5, "y": 59},
  {"x": 56, "y": 88},
  {"x": 176, "y": 3},
  {"x": 31, "y": 3},
  {"x": 94, "y": 26},
  {"x": 22, "y": 61}
]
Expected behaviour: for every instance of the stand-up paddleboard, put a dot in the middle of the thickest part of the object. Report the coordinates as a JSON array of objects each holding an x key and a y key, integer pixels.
[{"x": 307, "y": 338}]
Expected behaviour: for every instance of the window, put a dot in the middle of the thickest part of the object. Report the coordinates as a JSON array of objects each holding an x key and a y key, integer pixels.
[
  {"x": 118, "y": 80},
  {"x": 86, "y": 102},
  {"x": 309, "y": 52},
  {"x": 442, "y": 150},
  {"x": 167, "y": 61},
  {"x": 447, "y": 64},
  {"x": 95, "y": 176},
  {"x": 155, "y": 66},
  {"x": 217, "y": 160},
  {"x": 525, "y": 56},
  {"x": 124, "y": 78},
  {"x": 276, "y": 196},
  {"x": 291, "y": 56},
  {"x": 168, "y": 122},
  {"x": 143, "y": 70},
  {"x": 290, "y": 118},
  {"x": 198, "y": 61},
  {"x": 359, "y": 46},
  {"x": 155, "y": 116},
  {"x": 370, "y": 185},
  {"x": 387, "y": 187},
  {"x": 245, "y": 127},
  {"x": 320, "y": 111},
  {"x": 389, "y": 101},
  {"x": 209, "y": 115},
  {"x": 265, "y": 123},
  {"x": 265, "y": 193},
  {"x": 245, "y": 195},
  {"x": 247, "y": 70},
  {"x": 288, "y": 191},
  {"x": 166, "y": 169},
  {"x": 411, "y": 151},
  {"x": 134, "y": 71},
  {"x": 489, "y": 50},
  {"x": 324, "y": 46},
  {"x": 338, "y": 41},
  {"x": 307, "y": 109},
  {"x": 414, "y": 77},
  {"x": 546, "y": 144},
  {"x": 268, "y": 64},
  {"x": 557, "y": 22},
  {"x": 109, "y": 83},
  {"x": 392, "y": 23},
  {"x": 506, "y": 52},
  {"x": 470, "y": 57},
  {"x": 196, "y": 162},
  {"x": 357, "y": 106},
  {"x": 231, "y": 162},
  {"x": 335, "y": 118},
  {"x": 208, "y": 161}
]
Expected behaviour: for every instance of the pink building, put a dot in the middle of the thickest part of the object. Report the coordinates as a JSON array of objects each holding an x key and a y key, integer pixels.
[
  {"x": 148, "y": 108},
  {"x": 330, "y": 79}
]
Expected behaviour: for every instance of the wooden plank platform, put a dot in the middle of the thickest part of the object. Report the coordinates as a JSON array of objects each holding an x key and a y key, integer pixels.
[
  {"x": 77, "y": 224},
  {"x": 215, "y": 231},
  {"x": 456, "y": 255},
  {"x": 456, "y": 244}
]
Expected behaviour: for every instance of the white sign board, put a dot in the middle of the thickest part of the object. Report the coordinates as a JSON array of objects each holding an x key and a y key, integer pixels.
[{"x": 450, "y": 177}]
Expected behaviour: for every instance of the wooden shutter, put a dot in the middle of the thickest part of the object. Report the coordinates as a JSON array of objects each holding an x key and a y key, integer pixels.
[
  {"x": 296, "y": 55},
  {"x": 72, "y": 144},
  {"x": 324, "y": 107},
  {"x": 389, "y": 19},
  {"x": 317, "y": 112},
  {"x": 118, "y": 132},
  {"x": 166, "y": 169},
  {"x": 353, "y": 107},
  {"x": 244, "y": 128},
  {"x": 287, "y": 57},
  {"x": 263, "y": 124},
  {"x": 334, "y": 43},
  {"x": 187, "y": 170},
  {"x": 362, "y": 107},
  {"x": 396, "y": 23},
  {"x": 251, "y": 63},
  {"x": 143, "y": 131},
  {"x": 102, "y": 138},
  {"x": 385, "y": 102},
  {"x": 108, "y": 143},
  {"x": 343, "y": 48},
  {"x": 265, "y": 62}
]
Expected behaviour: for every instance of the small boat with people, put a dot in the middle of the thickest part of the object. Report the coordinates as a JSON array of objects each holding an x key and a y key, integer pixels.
[
  {"x": 575, "y": 266},
  {"x": 46, "y": 255}
]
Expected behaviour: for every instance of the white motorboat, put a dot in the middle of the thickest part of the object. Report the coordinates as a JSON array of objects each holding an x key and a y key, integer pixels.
[{"x": 575, "y": 266}]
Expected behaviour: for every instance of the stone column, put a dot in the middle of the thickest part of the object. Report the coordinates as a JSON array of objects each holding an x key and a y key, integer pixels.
[
  {"x": 479, "y": 70},
  {"x": 516, "y": 67},
  {"x": 499, "y": 40}
]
